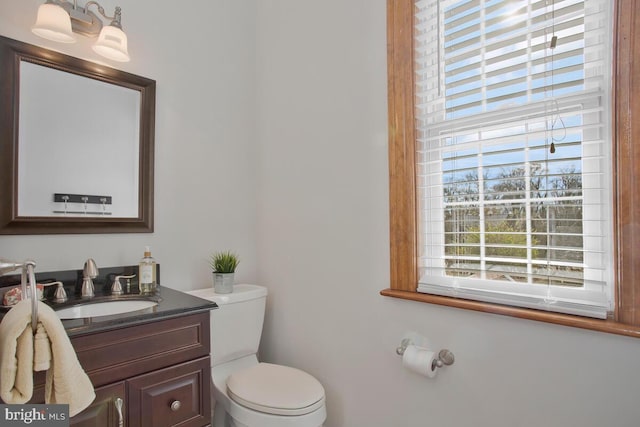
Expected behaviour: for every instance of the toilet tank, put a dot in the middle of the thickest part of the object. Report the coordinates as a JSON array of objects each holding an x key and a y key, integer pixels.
[{"x": 236, "y": 325}]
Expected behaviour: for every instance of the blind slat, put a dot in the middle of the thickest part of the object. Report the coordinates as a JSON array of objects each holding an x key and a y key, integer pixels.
[{"x": 504, "y": 217}]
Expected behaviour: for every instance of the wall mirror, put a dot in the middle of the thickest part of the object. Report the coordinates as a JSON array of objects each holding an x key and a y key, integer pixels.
[{"x": 76, "y": 145}]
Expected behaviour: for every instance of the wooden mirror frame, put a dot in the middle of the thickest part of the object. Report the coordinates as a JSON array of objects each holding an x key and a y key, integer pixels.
[{"x": 12, "y": 52}]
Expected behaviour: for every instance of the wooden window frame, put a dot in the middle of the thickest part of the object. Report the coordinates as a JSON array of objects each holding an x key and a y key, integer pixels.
[{"x": 626, "y": 185}]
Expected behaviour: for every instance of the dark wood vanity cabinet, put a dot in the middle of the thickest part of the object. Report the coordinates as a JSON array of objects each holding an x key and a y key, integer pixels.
[
  {"x": 171, "y": 396},
  {"x": 102, "y": 412},
  {"x": 160, "y": 370}
]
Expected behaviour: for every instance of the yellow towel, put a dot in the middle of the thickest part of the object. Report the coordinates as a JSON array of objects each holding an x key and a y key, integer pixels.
[
  {"x": 16, "y": 356},
  {"x": 66, "y": 381}
]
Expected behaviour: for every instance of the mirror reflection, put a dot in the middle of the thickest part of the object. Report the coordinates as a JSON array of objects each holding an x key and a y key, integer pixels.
[{"x": 77, "y": 137}]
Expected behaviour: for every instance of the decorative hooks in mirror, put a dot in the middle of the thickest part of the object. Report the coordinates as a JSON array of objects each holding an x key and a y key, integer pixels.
[{"x": 73, "y": 127}]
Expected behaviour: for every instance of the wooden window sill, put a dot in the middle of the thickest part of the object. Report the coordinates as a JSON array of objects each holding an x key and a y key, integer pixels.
[
  {"x": 625, "y": 113},
  {"x": 609, "y": 326}
]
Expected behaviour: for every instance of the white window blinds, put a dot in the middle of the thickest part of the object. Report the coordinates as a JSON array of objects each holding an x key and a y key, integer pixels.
[{"x": 513, "y": 158}]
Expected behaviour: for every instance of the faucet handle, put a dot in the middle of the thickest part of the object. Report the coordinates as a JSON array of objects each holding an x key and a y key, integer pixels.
[
  {"x": 61, "y": 294},
  {"x": 116, "y": 288},
  {"x": 60, "y": 286}
]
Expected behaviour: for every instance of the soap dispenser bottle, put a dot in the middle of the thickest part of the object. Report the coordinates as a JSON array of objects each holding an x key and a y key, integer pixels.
[{"x": 147, "y": 273}]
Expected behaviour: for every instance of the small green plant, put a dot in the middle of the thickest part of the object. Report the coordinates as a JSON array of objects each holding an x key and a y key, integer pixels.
[{"x": 224, "y": 262}]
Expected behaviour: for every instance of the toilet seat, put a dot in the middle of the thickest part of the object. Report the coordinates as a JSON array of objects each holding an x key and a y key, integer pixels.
[{"x": 276, "y": 389}]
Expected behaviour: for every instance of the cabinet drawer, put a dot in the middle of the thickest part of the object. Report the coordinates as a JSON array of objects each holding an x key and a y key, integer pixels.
[
  {"x": 178, "y": 395},
  {"x": 123, "y": 353}
]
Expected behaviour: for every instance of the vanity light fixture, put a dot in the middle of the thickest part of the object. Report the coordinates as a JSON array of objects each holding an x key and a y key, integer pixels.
[{"x": 58, "y": 20}]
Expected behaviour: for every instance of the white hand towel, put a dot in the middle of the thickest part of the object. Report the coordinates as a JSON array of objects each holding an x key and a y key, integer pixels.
[{"x": 66, "y": 381}]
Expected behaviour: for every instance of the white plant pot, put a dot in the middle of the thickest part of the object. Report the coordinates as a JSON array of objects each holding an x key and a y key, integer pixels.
[{"x": 223, "y": 283}]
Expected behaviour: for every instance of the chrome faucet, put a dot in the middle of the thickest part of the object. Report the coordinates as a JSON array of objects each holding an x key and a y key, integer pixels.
[{"x": 89, "y": 272}]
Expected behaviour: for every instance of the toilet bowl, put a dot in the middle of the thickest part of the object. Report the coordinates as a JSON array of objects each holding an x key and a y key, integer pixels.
[{"x": 249, "y": 393}]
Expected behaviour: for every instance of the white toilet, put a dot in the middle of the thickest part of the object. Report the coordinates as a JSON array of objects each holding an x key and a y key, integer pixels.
[{"x": 249, "y": 393}]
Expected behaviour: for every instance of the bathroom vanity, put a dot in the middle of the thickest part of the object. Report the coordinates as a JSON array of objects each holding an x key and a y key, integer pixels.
[
  {"x": 149, "y": 367},
  {"x": 152, "y": 374}
]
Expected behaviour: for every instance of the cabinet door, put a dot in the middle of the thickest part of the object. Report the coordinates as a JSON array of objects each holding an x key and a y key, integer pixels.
[
  {"x": 103, "y": 412},
  {"x": 178, "y": 395}
]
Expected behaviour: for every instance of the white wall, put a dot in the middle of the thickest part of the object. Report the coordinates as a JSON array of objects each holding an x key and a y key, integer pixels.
[
  {"x": 202, "y": 57},
  {"x": 323, "y": 252},
  {"x": 286, "y": 100}
]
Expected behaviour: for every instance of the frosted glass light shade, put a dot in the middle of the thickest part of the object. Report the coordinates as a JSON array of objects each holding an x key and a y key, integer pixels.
[
  {"x": 53, "y": 23},
  {"x": 112, "y": 44}
]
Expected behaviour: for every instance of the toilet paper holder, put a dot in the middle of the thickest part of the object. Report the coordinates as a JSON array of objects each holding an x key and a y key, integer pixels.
[{"x": 445, "y": 357}]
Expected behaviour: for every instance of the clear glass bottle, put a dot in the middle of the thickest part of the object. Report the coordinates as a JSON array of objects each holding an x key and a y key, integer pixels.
[{"x": 147, "y": 273}]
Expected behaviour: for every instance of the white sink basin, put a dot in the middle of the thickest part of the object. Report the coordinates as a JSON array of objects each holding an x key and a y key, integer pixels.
[{"x": 106, "y": 308}]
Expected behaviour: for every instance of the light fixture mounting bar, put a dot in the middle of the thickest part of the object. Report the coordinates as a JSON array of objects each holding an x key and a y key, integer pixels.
[{"x": 84, "y": 21}]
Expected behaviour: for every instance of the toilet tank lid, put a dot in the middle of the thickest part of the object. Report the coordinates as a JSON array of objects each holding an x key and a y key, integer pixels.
[{"x": 241, "y": 292}]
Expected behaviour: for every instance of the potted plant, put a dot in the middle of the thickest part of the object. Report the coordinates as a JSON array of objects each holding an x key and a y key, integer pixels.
[{"x": 224, "y": 265}]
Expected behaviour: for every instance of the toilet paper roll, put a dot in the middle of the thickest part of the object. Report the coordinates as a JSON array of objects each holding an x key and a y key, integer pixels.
[{"x": 420, "y": 360}]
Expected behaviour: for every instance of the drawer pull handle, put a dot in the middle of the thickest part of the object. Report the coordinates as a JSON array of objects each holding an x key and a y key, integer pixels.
[
  {"x": 118, "y": 403},
  {"x": 175, "y": 405}
]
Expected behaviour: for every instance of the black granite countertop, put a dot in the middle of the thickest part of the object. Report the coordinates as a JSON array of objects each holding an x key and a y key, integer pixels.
[{"x": 170, "y": 302}]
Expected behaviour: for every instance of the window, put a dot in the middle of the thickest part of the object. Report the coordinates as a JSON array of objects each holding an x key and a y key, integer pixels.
[
  {"x": 513, "y": 152},
  {"x": 493, "y": 187}
]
